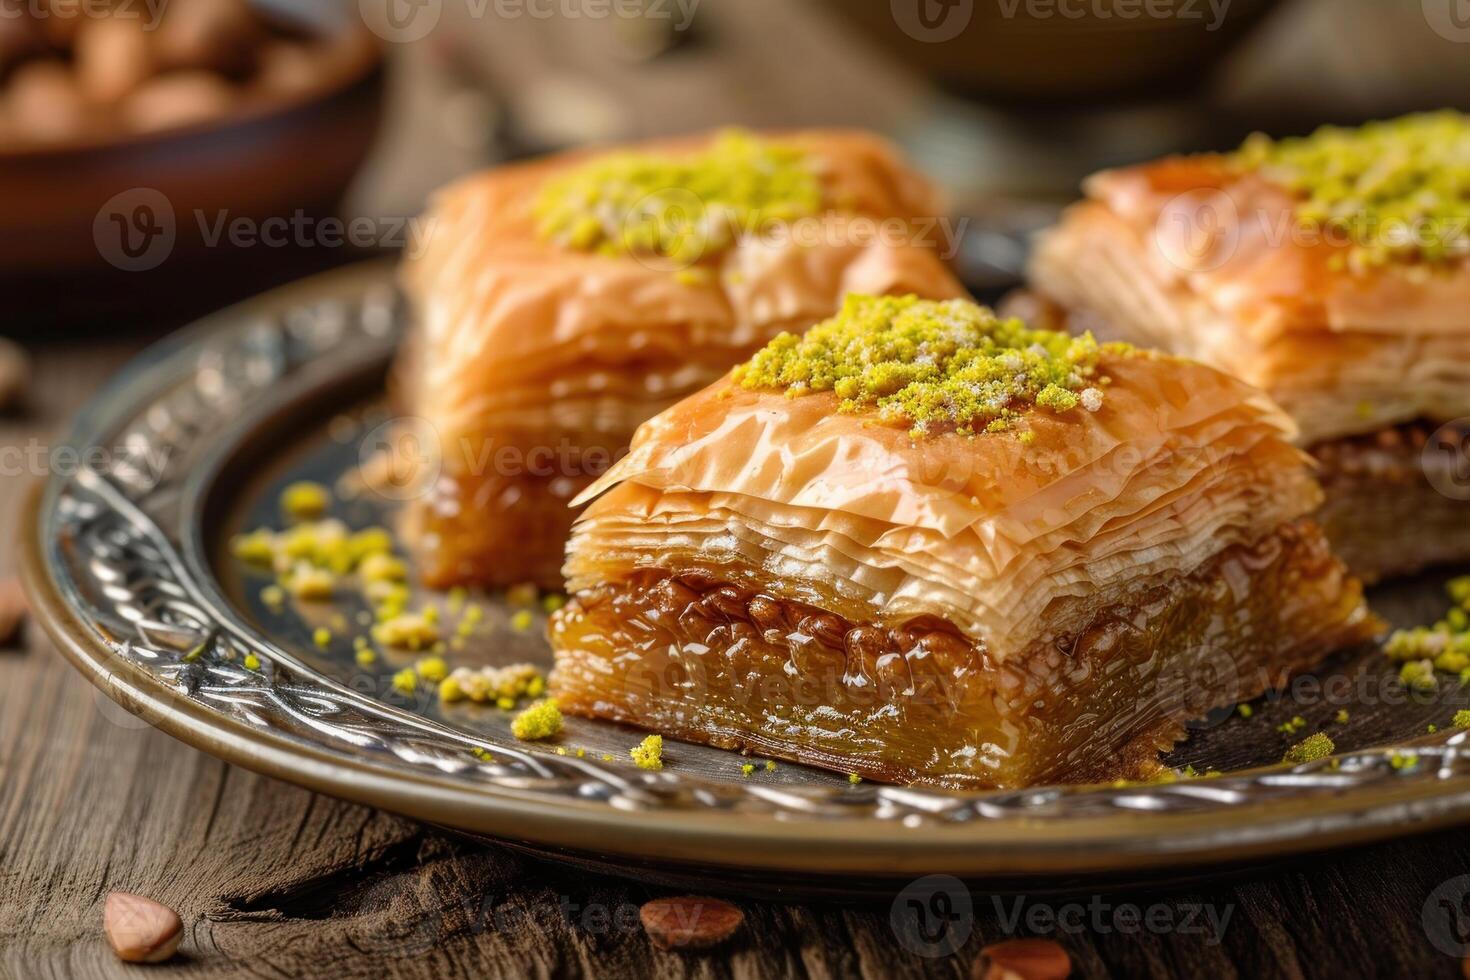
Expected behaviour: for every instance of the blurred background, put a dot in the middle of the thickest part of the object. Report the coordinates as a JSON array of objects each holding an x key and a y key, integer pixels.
[{"x": 161, "y": 158}]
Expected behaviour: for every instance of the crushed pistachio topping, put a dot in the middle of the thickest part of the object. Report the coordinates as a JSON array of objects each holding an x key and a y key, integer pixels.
[
  {"x": 321, "y": 636},
  {"x": 854, "y": 778},
  {"x": 406, "y": 681},
  {"x": 950, "y": 365},
  {"x": 553, "y": 602},
  {"x": 1462, "y": 718},
  {"x": 1342, "y": 716},
  {"x": 382, "y": 567},
  {"x": 499, "y": 685},
  {"x": 1296, "y": 724},
  {"x": 311, "y": 584},
  {"x": 482, "y": 754},
  {"x": 770, "y": 765},
  {"x": 680, "y": 206},
  {"x": 522, "y": 620},
  {"x": 406, "y": 632},
  {"x": 541, "y": 720},
  {"x": 1245, "y": 710},
  {"x": 252, "y": 662},
  {"x": 649, "y": 754},
  {"x": 365, "y": 656},
  {"x": 432, "y": 668},
  {"x": 1397, "y": 189},
  {"x": 1309, "y": 749},
  {"x": 305, "y": 500},
  {"x": 747, "y": 769},
  {"x": 1403, "y": 760},
  {"x": 1445, "y": 646}
]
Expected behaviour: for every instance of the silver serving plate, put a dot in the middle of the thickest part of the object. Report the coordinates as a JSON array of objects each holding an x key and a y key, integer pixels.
[{"x": 127, "y": 569}]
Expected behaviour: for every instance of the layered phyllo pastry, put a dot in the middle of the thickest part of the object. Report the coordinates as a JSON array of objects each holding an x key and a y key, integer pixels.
[
  {"x": 1333, "y": 271},
  {"x": 923, "y": 544},
  {"x": 560, "y": 303}
]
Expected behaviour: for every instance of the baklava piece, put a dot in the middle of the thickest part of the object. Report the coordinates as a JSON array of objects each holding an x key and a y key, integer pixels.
[
  {"x": 921, "y": 544},
  {"x": 561, "y": 303},
  {"x": 1329, "y": 270}
]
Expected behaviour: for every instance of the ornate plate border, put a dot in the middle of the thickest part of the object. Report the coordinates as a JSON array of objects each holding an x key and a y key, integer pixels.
[{"x": 110, "y": 580}]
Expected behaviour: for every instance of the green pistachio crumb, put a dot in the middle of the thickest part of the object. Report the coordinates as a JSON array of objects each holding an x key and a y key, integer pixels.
[
  {"x": 305, "y": 500},
  {"x": 930, "y": 365},
  {"x": 685, "y": 207},
  {"x": 1245, "y": 710},
  {"x": 1396, "y": 189},
  {"x": 541, "y": 720},
  {"x": 649, "y": 754},
  {"x": 1462, "y": 718},
  {"x": 1309, "y": 749},
  {"x": 406, "y": 681}
]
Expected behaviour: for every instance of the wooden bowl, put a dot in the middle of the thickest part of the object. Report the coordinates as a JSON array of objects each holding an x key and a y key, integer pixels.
[
  {"x": 78, "y": 218},
  {"x": 1067, "y": 52}
]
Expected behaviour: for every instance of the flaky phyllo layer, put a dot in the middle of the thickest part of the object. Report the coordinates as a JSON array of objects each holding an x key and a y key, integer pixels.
[
  {"x": 1019, "y": 531},
  {"x": 1331, "y": 271},
  {"x": 529, "y": 321}
]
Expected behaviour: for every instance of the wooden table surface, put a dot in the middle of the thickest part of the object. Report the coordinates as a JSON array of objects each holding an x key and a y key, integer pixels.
[{"x": 274, "y": 881}]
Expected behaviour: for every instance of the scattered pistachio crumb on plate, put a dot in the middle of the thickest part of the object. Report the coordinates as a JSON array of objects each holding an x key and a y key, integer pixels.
[
  {"x": 432, "y": 668},
  {"x": 305, "y": 499},
  {"x": 1309, "y": 749},
  {"x": 406, "y": 681},
  {"x": 541, "y": 720},
  {"x": 649, "y": 754}
]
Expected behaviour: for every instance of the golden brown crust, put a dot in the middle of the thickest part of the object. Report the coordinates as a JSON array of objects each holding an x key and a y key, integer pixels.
[
  {"x": 521, "y": 344},
  {"x": 1188, "y": 256},
  {"x": 692, "y": 656},
  {"x": 1180, "y": 462}
]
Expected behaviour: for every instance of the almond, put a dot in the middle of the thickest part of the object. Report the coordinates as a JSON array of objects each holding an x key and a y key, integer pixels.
[
  {"x": 13, "y": 608},
  {"x": 139, "y": 929},
  {"x": 1023, "y": 959},
  {"x": 689, "y": 922}
]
